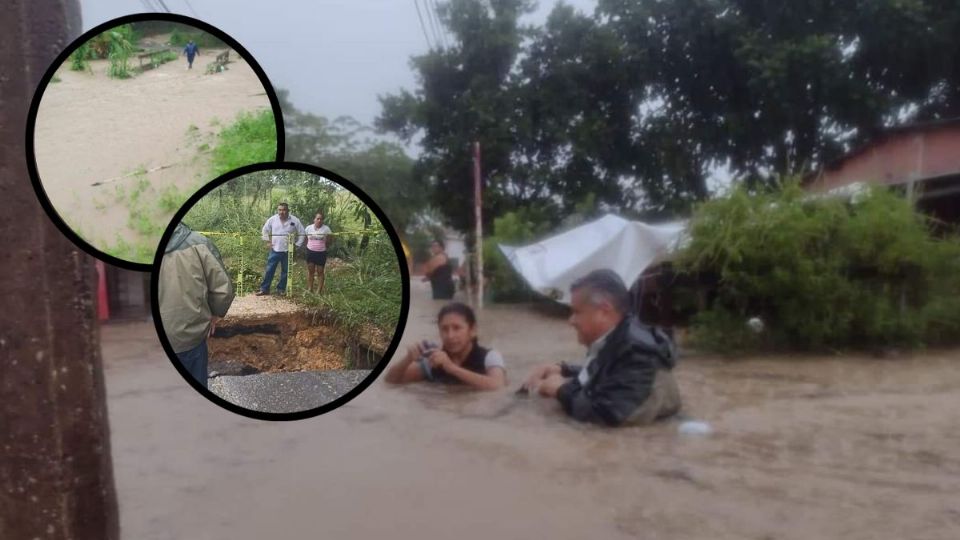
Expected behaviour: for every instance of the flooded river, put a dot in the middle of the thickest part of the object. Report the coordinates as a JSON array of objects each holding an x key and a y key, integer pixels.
[{"x": 826, "y": 447}]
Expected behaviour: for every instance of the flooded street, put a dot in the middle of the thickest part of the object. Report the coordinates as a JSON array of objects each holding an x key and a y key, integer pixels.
[
  {"x": 93, "y": 129},
  {"x": 852, "y": 447}
]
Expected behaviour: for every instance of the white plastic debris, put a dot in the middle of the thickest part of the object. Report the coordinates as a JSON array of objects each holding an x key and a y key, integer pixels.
[
  {"x": 755, "y": 324},
  {"x": 694, "y": 427}
]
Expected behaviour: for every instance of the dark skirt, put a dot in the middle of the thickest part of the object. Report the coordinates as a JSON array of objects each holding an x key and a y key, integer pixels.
[{"x": 318, "y": 258}]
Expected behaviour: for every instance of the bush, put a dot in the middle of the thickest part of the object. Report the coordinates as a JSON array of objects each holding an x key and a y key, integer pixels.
[
  {"x": 79, "y": 58},
  {"x": 822, "y": 273}
]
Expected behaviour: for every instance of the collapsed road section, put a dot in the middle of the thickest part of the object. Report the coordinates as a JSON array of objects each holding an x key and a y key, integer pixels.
[{"x": 272, "y": 355}]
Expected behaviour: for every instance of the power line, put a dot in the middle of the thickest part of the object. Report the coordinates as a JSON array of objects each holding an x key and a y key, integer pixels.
[
  {"x": 422, "y": 27},
  {"x": 440, "y": 29},
  {"x": 191, "y": 9},
  {"x": 165, "y": 8},
  {"x": 433, "y": 25}
]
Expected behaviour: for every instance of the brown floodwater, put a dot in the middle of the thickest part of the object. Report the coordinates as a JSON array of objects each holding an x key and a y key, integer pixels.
[
  {"x": 802, "y": 447},
  {"x": 91, "y": 128}
]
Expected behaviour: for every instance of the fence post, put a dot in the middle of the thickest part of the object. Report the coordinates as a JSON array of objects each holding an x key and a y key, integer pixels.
[
  {"x": 240, "y": 275},
  {"x": 290, "y": 238}
]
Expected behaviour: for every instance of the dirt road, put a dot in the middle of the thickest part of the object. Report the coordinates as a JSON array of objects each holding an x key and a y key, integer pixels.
[
  {"x": 854, "y": 448},
  {"x": 91, "y": 128}
]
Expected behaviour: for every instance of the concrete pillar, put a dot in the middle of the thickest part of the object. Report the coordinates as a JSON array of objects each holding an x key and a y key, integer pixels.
[{"x": 56, "y": 479}]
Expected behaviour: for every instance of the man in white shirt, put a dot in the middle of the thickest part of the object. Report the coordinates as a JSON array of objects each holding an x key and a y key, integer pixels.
[{"x": 275, "y": 233}]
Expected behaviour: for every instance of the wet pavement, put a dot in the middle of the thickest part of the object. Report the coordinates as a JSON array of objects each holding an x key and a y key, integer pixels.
[{"x": 286, "y": 392}]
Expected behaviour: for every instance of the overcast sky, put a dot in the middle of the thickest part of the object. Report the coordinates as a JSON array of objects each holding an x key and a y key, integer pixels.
[{"x": 334, "y": 56}]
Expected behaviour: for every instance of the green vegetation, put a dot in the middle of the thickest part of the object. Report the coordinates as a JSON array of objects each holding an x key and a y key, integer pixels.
[
  {"x": 641, "y": 101},
  {"x": 116, "y": 44},
  {"x": 182, "y": 34},
  {"x": 252, "y": 138},
  {"x": 366, "y": 290},
  {"x": 822, "y": 273},
  {"x": 120, "y": 42},
  {"x": 79, "y": 58},
  {"x": 363, "y": 283},
  {"x": 159, "y": 58},
  {"x": 513, "y": 228},
  {"x": 381, "y": 169}
]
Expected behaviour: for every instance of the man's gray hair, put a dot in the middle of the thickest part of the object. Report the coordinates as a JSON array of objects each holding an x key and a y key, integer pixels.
[{"x": 604, "y": 284}]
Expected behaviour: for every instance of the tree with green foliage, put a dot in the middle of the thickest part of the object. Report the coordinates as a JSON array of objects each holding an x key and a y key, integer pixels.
[
  {"x": 465, "y": 96},
  {"x": 381, "y": 169},
  {"x": 780, "y": 88},
  {"x": 642, "y": 101}
]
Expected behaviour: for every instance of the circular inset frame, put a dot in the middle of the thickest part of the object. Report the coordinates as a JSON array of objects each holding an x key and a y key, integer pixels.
[
  {"x": 401, "y": 262},
  {"x": 63, "y": 56}
]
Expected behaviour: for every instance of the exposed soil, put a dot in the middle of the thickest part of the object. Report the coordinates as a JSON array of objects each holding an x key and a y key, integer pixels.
[
  {"x": 277, "y": 343},
  {"x": 273, "y": 334}
]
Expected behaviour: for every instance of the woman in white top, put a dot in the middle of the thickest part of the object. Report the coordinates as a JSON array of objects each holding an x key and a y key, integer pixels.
[
  {"x": 457, "y": 359},
  {"x": 319, "y": 236}
]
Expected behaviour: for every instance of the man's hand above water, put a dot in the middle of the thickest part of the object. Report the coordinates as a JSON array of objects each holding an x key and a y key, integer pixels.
[
  {"x": 539, "y": 374},
  {"x": 549, "y": 386}
]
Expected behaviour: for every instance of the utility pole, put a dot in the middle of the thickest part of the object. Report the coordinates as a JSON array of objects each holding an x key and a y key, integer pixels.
[
  {"x": 56, "y": 474},
  {"x": 477, "y": 216}
]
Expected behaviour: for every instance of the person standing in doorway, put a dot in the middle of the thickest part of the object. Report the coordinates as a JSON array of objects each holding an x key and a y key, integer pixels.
[
  {"x": 319, "y": 238},
  {"x": 275, "y": 233},
  {"x": 191, "y": 51}
]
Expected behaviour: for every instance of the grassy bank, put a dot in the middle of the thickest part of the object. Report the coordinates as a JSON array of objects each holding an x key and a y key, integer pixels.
[{"x": 250, "y": 138}]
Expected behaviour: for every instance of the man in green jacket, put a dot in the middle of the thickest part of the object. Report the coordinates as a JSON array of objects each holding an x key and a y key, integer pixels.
[{"x": 195, "y": 292}]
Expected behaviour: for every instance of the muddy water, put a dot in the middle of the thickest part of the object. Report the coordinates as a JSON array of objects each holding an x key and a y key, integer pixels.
[
  {"x": 802, "y": 448},
  {"x": 91, "y": 128}
]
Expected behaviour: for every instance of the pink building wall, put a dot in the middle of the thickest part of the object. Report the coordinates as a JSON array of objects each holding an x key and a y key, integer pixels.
[{"x": 897, "y": 157}]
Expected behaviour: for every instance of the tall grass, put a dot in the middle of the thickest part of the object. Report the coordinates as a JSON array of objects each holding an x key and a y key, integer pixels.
[
  {"x": 366, "y": 290},
  {"x": 252, "y": 138}
]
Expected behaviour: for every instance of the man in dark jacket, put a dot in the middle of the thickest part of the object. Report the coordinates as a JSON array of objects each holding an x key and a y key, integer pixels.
[
  {"x": 195, "y": 292},
  {"x": 626, "y": 377},
  {"x": 191, "y": 51}
]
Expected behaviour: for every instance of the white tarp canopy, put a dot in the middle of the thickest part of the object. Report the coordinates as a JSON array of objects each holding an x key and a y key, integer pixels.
[{"x": 626, "y": 247}]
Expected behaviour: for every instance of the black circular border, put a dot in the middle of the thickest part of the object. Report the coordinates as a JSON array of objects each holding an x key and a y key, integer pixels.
[
  {"x": 401, "y": 262},
  {"x": 62, "y": 57}
]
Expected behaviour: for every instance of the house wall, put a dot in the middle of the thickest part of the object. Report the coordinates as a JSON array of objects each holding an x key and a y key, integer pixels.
[{"x": 897, "y": 158}]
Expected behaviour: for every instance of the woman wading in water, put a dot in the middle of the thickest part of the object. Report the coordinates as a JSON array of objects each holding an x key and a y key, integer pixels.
[{"x": 459, "y": 360}]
